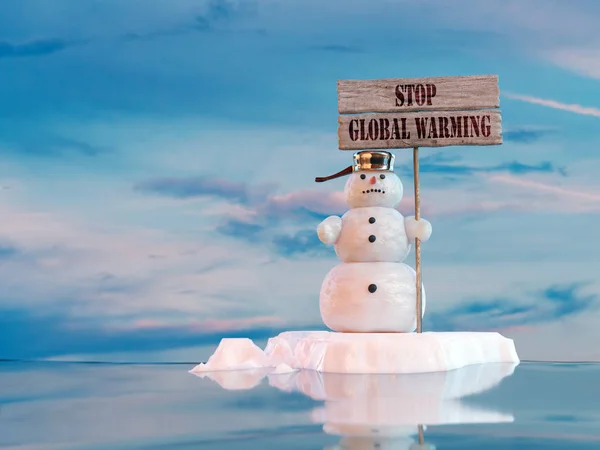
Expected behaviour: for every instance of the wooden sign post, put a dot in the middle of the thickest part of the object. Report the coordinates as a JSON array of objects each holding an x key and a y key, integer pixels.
[{"x": 419, "y": 112}]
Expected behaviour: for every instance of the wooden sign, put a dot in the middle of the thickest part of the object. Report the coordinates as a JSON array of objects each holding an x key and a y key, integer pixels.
[
  {"x": 418, "y": 94},
  {"x": 433, "y": 129},
  {"x": 419, "y": 112}
]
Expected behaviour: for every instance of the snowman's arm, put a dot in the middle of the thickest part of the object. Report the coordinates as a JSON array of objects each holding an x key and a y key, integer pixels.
[
  {"x": 417, "y": 229},
  {"x": 329, "y": 230}
]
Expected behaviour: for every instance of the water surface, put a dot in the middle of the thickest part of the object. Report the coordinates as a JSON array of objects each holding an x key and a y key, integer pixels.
[{"x": 59, "y": 405}]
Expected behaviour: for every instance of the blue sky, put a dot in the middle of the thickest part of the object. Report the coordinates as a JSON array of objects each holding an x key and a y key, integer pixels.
[{"x": 157, "y": 163}]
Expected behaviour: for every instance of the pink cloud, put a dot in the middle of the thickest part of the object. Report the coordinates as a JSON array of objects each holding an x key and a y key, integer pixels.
[
  {"x": 434, "y": 203},
  {"x": 584, "y": 195},
  {"x": 312, "y": 200},
  {"x": 554, "y": 197},
  {"x": 233, "y": 211},
  {"x": 142, "y": 324},
  {"x": 237, "y": 324},
  {"x": 110, "y": 271},
  {"x": 319, "y": 202},
  {"x": 208, "y": 325},
  {"x": 484, "y": 197}
]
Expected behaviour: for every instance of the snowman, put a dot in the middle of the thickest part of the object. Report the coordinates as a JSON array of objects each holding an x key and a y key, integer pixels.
[{"x": 372, "y": 290}]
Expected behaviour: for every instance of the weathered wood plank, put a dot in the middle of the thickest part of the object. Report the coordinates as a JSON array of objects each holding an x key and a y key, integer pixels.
[
  {"x": 418, "y": 94},
  {"x": 422, "y": 129}
]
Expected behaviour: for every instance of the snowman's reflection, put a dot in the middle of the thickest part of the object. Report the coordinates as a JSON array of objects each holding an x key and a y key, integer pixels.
[{"x": 385, "y": 411}]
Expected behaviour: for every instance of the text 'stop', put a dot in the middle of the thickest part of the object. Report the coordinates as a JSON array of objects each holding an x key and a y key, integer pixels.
[{"x": 418, "y": 94}]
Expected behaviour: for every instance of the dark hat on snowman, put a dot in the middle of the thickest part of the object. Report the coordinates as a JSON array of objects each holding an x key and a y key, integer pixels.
[{"x": 365, "y": 160}]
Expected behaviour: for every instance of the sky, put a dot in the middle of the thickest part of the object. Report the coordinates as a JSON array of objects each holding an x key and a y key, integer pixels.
[{"x": 157, "y": 164}]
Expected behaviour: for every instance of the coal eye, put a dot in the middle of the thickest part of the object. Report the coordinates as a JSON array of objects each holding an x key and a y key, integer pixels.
[
  {"x": 382, "y": 176},
  {"x": 363, "y": 176}
]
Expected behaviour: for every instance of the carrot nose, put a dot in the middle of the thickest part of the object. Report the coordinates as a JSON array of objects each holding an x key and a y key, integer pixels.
[{"x": 372, "y": 180}]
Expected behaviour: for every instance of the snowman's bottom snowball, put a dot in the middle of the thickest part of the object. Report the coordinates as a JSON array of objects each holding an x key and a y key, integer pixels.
[
  {"x": 325, "y": 351},
  {"x": 373, "y": 297}
]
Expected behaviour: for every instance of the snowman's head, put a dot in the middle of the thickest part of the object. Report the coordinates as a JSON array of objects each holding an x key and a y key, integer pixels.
[{"x": 373, "y": 188}]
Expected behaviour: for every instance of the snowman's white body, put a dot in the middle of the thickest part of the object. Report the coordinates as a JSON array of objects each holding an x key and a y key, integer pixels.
[
  {"x": 347, "y": 305},
  {"x": 372, "y": 290},
  {"x": 383, "y": 226}
]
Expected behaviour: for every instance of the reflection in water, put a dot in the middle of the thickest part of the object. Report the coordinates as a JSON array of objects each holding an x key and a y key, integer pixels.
[{"x": 374, "y": 411}]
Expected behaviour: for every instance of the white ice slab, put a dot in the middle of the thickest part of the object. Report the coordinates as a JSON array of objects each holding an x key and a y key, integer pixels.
[
  {"x": 235, "y": 354},
  {"x": 395, "y": 353},
  {"x": 330, "y": 352}
]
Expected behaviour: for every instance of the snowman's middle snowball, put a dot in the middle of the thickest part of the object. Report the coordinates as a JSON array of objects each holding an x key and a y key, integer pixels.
[
  {"x": 348, "y": 305},
  {"x": 372, "y": 234}
]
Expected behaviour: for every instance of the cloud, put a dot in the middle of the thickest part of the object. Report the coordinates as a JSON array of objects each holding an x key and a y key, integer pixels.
[
  {"x": 194, "y": 187},
  {"x": 250, "y": 203},
  {"x": 107, "y": 271},
  {"x": 106, "y": 282},
  {"x": 284, "y": 243},
  {"x": 132, "y": 36},
  {"x": 587, "y": 200},
  {"x": 304, "y": 242},
  {"x": 269, "y": 219},
  {"x": 524, "y": 136},
  {"x": 585, "y": 61},
  {"x": 55, "y": 139},
  {"x": 47, "y": 145},
  {"x": 40, "y": 47},
  {"x": 255, "y": 216},
  {"x": 285, "y": 223},
  {"x": 551, "y": 304},
  {"x": 441, "y": 163},
  {"x": 110, "y": 277},
  {"x": 240, "y": 229},
  {"x": 7, "y": 251},
  {"x": 217, "y": 12},
  {"x": 313, "y": 201},
  {"x": 48, "y": 332},
  {"x": 170, "y": 78},
  {"x": 574, "y": 108}
]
